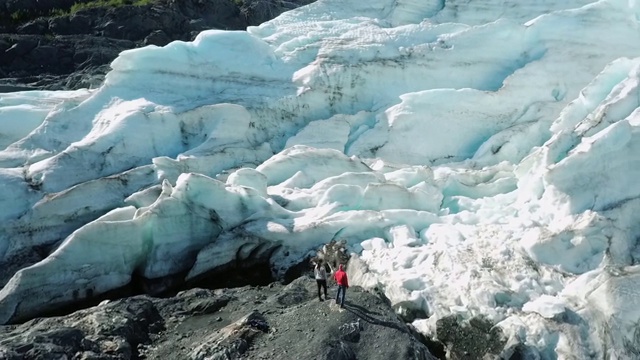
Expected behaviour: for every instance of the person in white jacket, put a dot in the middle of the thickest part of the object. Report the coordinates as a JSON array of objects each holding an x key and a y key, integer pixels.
[{"x": 321, "y": 279}]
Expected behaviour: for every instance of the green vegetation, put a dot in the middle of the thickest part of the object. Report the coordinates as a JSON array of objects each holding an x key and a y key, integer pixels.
[
  {"x": 107, "y": 3},
  {"x": 24, "y": 15},
  {"x": 58, "y": 12},
  {"x": 20, "y": 15}
]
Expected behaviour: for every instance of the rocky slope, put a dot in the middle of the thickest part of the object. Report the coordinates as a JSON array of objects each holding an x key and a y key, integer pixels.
[
  {"x": 269, "y": 322},
  {"x": 73, "y": 49},
  {"x": 251, "y": 322}
]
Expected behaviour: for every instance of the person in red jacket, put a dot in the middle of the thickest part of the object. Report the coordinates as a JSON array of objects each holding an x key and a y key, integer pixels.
[{"x": 343, "y": 284}]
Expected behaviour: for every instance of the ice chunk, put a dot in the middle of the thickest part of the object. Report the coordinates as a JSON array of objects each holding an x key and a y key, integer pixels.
[
  {"x": 403, "y": 235},
  {"x": 374, "y": 243},
  {"x": 546, "y": 306}
]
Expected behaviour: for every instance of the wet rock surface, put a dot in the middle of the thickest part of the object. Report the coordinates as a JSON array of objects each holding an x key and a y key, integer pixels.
[
  {"x": 74, "y": 50},
  {"x": 259, "y": 322}
]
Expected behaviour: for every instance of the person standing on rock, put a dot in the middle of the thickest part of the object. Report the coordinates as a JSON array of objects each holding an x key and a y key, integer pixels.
[
  {"x": 343, "y": 284},
  {"x": 321, "y": 279}
]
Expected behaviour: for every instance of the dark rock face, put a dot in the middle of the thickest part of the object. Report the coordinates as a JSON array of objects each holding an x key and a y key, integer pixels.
[
  {"x": 61, "y": 62},
  {"x": 270, "y": 322},
  {"x": 111, "y": 331},
  {"x": 477, "y": 338},
  {"x": 409, "y": 312},
  {"x": 8, "y": 7},
  {"x": 73, "y": 51}
]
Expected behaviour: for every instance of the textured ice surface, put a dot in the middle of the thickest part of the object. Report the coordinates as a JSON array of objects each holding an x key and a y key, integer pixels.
[{"x": 481, "y": 158}]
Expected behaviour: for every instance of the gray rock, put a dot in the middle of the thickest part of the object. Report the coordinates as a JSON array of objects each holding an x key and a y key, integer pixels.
[
  {"x": 43, "y": 55},
  {"x": 4, "y": 45},
  {"x": 144, "y": 327},
  {"x": 35, "y": 27},
  {"x": 351, "y": 331},
  {"x": 198, "y": 25},
  {"x": 158, "y": 38},
  {"x": 339, "y": 350},
  {"x": 79, "y": 24},
  {"x": 294, "y": 293},
  {"x": 409, "y": 312},
  {"x": 477, "y": 338},
  {"x": 111, "y": 331},
  {"x": 522, "y": 352},
  {"x": 233, "y": 340},
  {"x": 207, "y": 306},
  {"x": 20, "y": 48},
  {"x": 62, "y": 25}
]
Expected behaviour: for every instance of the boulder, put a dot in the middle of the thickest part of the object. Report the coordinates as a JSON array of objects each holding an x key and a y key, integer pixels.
[
  {"x": 157, "y": 37},
  {"x": 233, "y": 340},
  {"x": 476, "y": 338},
  {"x": 409, "y": 311}
]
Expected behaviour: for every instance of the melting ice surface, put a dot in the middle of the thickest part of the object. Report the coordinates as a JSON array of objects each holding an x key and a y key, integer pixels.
[{"x": 481, "y": 159}]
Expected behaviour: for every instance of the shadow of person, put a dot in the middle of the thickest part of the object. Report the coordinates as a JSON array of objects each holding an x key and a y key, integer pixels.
[
  {"x": 361, "y": 309},
  {"x": 367, "y": 316}
]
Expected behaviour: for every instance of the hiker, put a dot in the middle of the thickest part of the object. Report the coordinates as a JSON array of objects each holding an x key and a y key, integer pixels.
[
  {"x": 343, "y": 284},
  {"x": 321, "y": 279}
]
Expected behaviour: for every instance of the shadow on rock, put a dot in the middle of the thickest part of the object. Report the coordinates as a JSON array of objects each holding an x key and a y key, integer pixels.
[{"x": 369, "y": 317}]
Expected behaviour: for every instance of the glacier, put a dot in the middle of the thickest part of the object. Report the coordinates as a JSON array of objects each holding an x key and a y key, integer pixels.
[{"x": 480, "y": 158}]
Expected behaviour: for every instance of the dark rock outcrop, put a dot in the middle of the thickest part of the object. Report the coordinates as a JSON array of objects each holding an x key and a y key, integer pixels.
[
  {"x": 62, "y": 62},
  {"x": 269, "y": 322},
  {"x": 409, "y": 312},
  {"x": 477, "y": 338},
  {"x": 111, "y": 331},
  {"x": 73, "y": 51}
]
